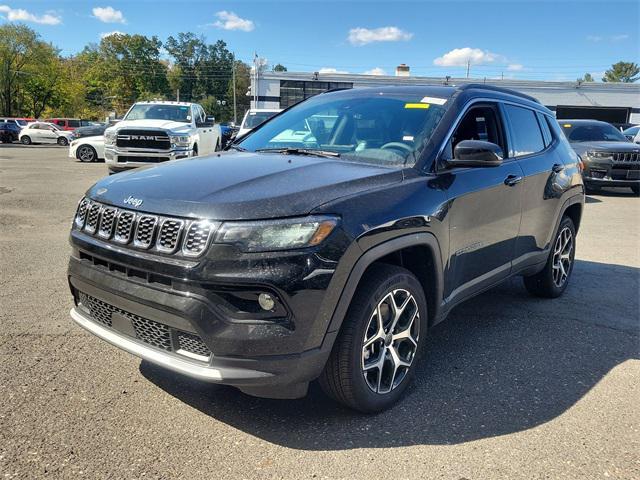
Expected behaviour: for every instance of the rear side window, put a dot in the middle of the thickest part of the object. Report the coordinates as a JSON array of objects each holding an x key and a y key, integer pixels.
[
  {"x": 525, "y": 131},
  {"x": 74, "y": 123}
]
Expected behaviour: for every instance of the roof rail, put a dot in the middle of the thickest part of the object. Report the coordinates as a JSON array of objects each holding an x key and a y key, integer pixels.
[{"x": 508, "y": 91}]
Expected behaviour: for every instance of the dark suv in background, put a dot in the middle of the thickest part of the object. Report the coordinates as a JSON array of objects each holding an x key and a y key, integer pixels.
[
  {"x": 329, "y": 240},
  {"x": 609, "y": 159}
]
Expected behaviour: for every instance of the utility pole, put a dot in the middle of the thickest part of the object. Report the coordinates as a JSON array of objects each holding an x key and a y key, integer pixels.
[
  {"x": 468, "y": 67},
  {"x": 233, "y": 76},
  {"x": 178, "y": 95}
]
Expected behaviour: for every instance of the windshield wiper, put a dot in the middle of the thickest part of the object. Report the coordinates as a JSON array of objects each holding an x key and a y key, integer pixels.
[
  {"x": 301, "y": 151},
  {"x": 237, "y": 147}
]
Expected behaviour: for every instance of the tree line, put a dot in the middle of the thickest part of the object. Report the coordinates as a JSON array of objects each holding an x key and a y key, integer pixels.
[{"x": 37, "y": 81}]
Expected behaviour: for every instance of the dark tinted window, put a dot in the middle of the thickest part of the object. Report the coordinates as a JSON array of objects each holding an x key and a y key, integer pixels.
[
  {"x": 591, "y": 132},
  {"x": 74, "y": 123},
  {"x": 293, "y": 91},
  {"x": 546, "y": 133},
  {"x": 525, "y": 131}
]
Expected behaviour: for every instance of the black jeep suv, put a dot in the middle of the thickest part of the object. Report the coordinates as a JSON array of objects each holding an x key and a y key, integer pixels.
[
  {"x": 329, "y": 241},
  {"x": 609, "y": 159}
]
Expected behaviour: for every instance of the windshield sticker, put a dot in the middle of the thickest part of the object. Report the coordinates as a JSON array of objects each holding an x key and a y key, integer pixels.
[
  {"x": 434, "y": 100},
  {"x": 567, "y": 125},
  {"x": 416, "y": 105},
  {"x": 407, "y": 138}
]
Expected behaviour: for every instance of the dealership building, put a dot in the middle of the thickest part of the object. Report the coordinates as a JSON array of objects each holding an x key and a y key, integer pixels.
[{"x": 613, "y": 102}]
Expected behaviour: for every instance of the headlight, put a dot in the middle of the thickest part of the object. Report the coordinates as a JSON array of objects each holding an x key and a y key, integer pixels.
[
  {"x": 600, "y": 155},
  {"x": 180, "y": 140},
  {"x": 264, "y": 236},
  {"x": 109, "y": 138}
]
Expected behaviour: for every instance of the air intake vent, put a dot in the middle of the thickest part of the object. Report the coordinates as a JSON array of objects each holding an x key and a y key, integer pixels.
[
  {"x": 144, "y": 231},
  {"x": 81, "y": 214},
  {"x": 107, "y": 222},
  {"x": 197, "y": 238},
  {"x": 92, "y": 218},
  {"x": 124, "y": 227},
  {"x": 169, "y": 235}
]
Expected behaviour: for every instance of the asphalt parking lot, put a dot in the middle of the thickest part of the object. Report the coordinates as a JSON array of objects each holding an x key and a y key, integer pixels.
[{"x": 511, "y": 387}]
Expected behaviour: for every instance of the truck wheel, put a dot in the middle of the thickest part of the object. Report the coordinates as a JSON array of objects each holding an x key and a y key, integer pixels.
[
  {"x": 554, "y": 278},
  {"x": 63, "y": 142},
  {"x": 195, "y": 151},
  {"x": 86, "y": 153},
  {"x": 375, "y": 355},
  {"x": 26, "y": 140}
]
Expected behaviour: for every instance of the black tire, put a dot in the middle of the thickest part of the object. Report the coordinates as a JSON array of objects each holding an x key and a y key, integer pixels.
[
  {"x": 343, "y": 377},
  {"x": 86, "y": 153},
  {"x": 549, "y": 283},
  {"x": 62, "y": 141},
  {"x": 26, "y": 140},
  {"x": 195, "y": 150},
  {"x": 217, "y": 147},
  {"x": 636, "y": 189}
]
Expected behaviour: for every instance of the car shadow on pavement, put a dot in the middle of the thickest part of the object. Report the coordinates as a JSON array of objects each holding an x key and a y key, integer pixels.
[{"x": 501, "y": 363}]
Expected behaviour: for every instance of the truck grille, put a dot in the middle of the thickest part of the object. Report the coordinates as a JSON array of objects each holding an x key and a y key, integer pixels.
[
  {"x": 140, "y": 159},
  {"x": 147, "y": 139},
  {"x": 624, "y": 157},
  {"x": 148, "y": 232},
  {"x": 153, "y": 333}
]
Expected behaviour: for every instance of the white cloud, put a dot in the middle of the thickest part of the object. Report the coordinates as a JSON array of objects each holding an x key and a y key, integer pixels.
[
  {"x": 617, "y": 38},
  {"x": 20, "y": 15},
  {"x": 363, "y": 36},
  {"x": 108, "y": 34},
  {"x": 458, "y": 57},
  {"x": 231, "y": 21},
  {"x": 594, "y": 38},
  {"x": 108, "y": 15},
  {"x": 515, "y": 67},
  {"x": 331, "y": 70},
  {"x": 376, "y": 71}
]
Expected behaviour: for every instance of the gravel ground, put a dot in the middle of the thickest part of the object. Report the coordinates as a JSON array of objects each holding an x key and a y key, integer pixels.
[{"x": 512, "y": 386}]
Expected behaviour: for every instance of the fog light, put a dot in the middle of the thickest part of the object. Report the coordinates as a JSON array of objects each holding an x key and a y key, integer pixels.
[{"x": 266, "y": 301}]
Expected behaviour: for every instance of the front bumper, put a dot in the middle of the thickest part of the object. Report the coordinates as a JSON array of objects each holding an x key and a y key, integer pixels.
[
  {"x": 122, "y": 159},
  {"x": 611, "y": 174},
  {"x": 272, "y": 357}
]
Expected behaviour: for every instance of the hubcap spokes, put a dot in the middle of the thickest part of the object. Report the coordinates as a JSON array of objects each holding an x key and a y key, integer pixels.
[
  {"x": 85, "y": 153},
  {"x": 390, "y": 341},
  {"x": 562, "y": 257}
]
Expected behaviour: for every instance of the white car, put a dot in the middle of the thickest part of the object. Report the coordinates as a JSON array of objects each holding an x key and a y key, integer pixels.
[
  {"x": 43, "y": 132},
  {"x": 255, "y": 117},
  {"x": 87, "y": 149}
]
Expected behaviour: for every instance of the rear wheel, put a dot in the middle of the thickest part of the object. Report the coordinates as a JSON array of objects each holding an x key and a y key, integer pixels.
[
  {"x": 86, "y": 153},
  {"x": 554, "y": 278},
  {"x": 375, "y": 355},
  {"x": 26, "y": 140},
  {"x": 63, "y": 142}
]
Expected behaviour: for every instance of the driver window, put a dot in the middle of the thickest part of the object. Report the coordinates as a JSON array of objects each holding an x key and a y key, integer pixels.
[{"x": 479, "y": 123}]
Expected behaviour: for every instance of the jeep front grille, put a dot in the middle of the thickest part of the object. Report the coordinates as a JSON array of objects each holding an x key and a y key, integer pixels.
[
  {"x": 148, "y": 331},
  {"x": 149, "y": 232},
  {"x": 625, "y": 157}
]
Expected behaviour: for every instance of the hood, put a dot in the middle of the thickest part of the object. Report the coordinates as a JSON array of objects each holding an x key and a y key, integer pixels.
[
  {"x": 241, "y": 186},
  {"x": 159, "y": 124},
  {"x": 582, "y": 147}
]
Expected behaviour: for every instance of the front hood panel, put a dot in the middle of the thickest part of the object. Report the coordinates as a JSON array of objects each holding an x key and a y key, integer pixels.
[
  {"x": 241, "y": 186},
  {"x": 151, "y": 124},
  {"x": 582, "y": 147}
]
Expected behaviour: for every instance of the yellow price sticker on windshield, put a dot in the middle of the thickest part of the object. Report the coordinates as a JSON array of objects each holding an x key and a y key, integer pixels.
[
  {"x": 567, "y": 125},
  {"x": 416, "y": 105}
]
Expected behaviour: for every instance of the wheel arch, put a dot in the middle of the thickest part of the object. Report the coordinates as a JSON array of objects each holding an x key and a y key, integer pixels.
[{"x": 418, "y": 253}]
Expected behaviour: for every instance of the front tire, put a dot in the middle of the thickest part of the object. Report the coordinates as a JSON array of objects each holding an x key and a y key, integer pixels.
[
  {"x": 63, "y": 142},
  {"x": 375, "y": 355},
  {"x": 26, "y": 140},
  {"x": 86, "y": 153},
  {"x": 552, "y": 281}
]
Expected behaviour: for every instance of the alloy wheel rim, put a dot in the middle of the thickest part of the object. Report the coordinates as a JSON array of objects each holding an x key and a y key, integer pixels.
[
  {"x": 85, "y": 154},
  {"x": 562, "y": 257},
  {"x": 390, "y": 341}
]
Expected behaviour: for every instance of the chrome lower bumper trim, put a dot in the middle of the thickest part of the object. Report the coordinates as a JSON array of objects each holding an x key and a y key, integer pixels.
[{"x": 178, "y": 365}]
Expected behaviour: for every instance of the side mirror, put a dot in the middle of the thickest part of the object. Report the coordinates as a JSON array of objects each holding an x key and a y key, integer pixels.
[
  {"x": 211, "y": 120},
  {"x": 476, "y": 153}
]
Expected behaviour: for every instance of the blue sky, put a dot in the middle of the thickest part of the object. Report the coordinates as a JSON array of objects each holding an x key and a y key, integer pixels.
[{"x": 549, "y": 40}]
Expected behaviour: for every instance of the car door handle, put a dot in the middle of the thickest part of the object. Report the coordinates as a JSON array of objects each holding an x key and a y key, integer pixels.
[
  {"x": 557, "y": 168},
  {"x": 512, "y": 180}
]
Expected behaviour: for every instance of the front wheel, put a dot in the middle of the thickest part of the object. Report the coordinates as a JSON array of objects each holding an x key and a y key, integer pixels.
[
  {"x": 26, "y": 140},
  {"x": 375, "y": 355},
  {"x": 552, "y": 281},
  {"x": 86, "y": 153},
  {"x": 63, "y": 142}
]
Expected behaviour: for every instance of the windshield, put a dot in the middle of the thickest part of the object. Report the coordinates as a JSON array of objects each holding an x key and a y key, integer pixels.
[
  {"x": 592, "y": 132},
  {"x": 253, "y": 119},
  {"x": 380, "y": 128},
  {"x": 21, "y": 122},
  {"x": 175, "y": 113}
]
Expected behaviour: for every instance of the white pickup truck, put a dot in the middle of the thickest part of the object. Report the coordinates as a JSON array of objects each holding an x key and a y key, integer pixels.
[{"x": 154, "y": 132}]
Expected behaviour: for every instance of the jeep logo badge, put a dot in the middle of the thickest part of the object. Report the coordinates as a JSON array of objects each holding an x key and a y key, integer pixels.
[{"x": 135, "y": 202}]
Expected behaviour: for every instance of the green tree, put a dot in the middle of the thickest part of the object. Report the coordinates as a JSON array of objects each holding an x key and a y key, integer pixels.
[
  {"x": 279, "y": 68},
  {"x": 626, "y": 72},
  {"x": 18, "y": 46},
  {"x": 587, "y": 78}
]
